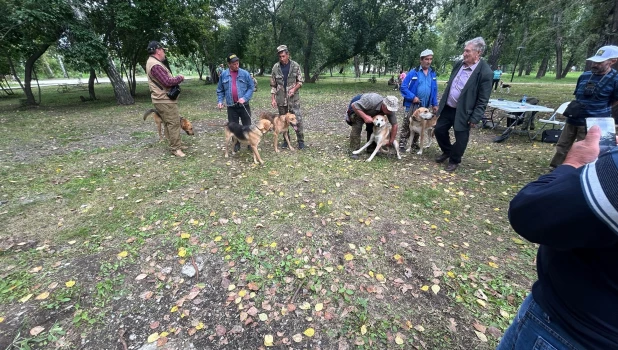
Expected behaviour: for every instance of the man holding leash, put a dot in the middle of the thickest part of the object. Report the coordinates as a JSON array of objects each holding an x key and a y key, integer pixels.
[
  {"x": 463, "y": 103},
  {"x": 363, "y": 111},
  {"x": 285, "y": 80},
  {"x": 160, "y": 81},
  {"x": 419, "y": 89},
  {"x": 595, "y": 93},
  {"x": 236, "y": 86}
]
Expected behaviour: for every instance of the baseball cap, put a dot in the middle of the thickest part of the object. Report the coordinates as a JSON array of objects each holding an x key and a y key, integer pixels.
[
  {"x": 391, "y": 103},
  {"x": 604, "y": 53},
  {"x": 281, "y": 48},
  {"x": 232, "y": 58},
  {"x": 426, "y": 52},
  {"x": 153, "y": 46}
]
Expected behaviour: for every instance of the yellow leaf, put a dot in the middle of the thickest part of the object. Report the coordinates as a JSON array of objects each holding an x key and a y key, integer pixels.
[
  {"x": 182, "y": 252},
  {"x": 213, "y": 213},
  {"x": 518, "y": 241},
  {"x": 504, "y": 314},
  {"x": 433, "y": 227},
  {"x": 302, "y": 206},
  {"x": 1, "y": 319},
  {"x": 368, "y": 248},
  {"x": 184, "y": 235},
  {"x": 398, "y": 340},
  {"x": 263, "y": 317},
  {"x": 153, "y": 337},
  {"x": 26, "y": 298},
  {"x": 249, "y": 239},
  {"x": 435, "y": 289},
  {"x": 493, "y": 264},
  {"x": 425, "y": 288},
  {"x": 380, "y": 277},
  {"x": 42, "y": 296},
  {"x": 348, "y": 257},
  {"x": 242, "y": 293},
  {"x": 199, "y": 326},
  {"x": 319, "y": 307},
  {"x": 446, "y": 212},
  {"x": 305, "y": 306},
  {"x": 268, "y": 340},
  {"x": 330, "y": 202},
  {"x": 299, "y": 251},
  {"x": 231, "y": 287},
  {"x": 481, "y": 336},
  {"x": 450, "y": 274},
  {"x": 281, "y": 194},
  {"x": 321, "y": 205},
  {"x": 464, "y": 256},
  {"x": 123, "y": 254},
  {"x": 217, "y": 239},
  {"x": 481, "y": 302},
  {"x": 367, "y": 222},
  {"x": 164, "y": 334},
  {"x": 70, "y": 284},
  {"x": 174, "y": 308},
  {"x": 273, "y": 245},
  {"x": 363, "y": 329},
  {"x": 309, "y": 332},
  {"x": 396, "y": 256},
  {"x": 371, "y": 274}
]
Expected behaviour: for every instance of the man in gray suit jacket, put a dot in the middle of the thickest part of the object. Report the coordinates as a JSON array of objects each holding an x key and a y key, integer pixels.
[{"x": 463, "y": 102}]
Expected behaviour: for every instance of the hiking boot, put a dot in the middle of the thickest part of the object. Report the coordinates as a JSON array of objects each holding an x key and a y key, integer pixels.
[
  {"x": 178, "y": 153},
  {"x": 237, "y": 147},
  {"x": 441, "y": 158},
  {"x": 451, "y": 167},
  {"x": 301, "y": 144}
]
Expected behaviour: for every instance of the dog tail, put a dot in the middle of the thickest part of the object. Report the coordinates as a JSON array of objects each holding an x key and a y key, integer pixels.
[
  {"x": 149, "y": 112},
  {"x": 269, "y": 116}
]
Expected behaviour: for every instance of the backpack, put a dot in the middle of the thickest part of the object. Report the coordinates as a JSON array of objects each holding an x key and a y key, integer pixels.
[{"x": 350, "y": 110}]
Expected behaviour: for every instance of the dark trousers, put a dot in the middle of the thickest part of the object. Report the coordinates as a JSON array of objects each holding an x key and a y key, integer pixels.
[
  {"x": 456, "y": 150},
  {"x": 238, "y": 112},
  {"x": 300, "y": 129},
  {"x": 495, "y": 84},
  {"x": 357, "y": 129}
]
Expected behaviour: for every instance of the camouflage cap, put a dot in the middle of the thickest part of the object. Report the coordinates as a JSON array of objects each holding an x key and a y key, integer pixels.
[
  {"x": 281, "y": 48},
  {"x": 391, "y": 103}
]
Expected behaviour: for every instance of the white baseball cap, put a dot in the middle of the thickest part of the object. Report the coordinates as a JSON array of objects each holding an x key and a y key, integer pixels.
[
  {"x": 426, "y": 52},
  {"x": 391, "y": 103},
  {"x": 604, "y": 53}
]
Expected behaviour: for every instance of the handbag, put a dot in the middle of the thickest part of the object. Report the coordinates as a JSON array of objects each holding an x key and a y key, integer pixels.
[
  {"x": 174, "y": 92},
  {"x": 573, "y": 109},
  {"x": 551, "y": 135}
]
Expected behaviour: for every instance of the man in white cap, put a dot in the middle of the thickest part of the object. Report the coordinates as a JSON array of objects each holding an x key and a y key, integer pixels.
[
  {"x": 363, "y": 111},
  {"x": 595, "y": 93},
  {"x": 463, "y": 103},
  {"x": 285, "y": 81},
  {"x": 419, "y": 89}
]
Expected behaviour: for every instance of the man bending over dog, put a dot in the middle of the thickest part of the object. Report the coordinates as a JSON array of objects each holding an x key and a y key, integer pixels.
[
  {"x": 419, "y": 89},
  {"x": 160, "y": 81},
  {"x": 236, "y": 85},
  {"x": 364, "y": 109}
]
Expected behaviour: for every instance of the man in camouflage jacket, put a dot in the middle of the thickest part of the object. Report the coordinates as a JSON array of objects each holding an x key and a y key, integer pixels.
[{"x": 285, "y": 80}]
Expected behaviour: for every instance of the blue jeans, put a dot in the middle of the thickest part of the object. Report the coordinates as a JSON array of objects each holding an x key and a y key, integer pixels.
[{"x": 533, "y": 329}]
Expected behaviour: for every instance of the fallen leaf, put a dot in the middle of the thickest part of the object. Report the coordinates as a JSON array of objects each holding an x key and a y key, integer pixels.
[
  {"x": 199, "y": 326},
  {"x": 481, "y": 336},
  {"x": 70, "y": 284},
  {"x": 398, "y": 340},
  {"x": 479, "y": 327},
  {"x": 26, "y": 298},
  {"x": 363, "y": 329},
  {"x": 220, "y": 330},
  {"x": 36, "y": 330},
  {"x": 435, "y": 289},
  {"x": 268, "y": 340},
  {"x": 297, "y": 337},
  {"x": 319, "y": 307},
  {"x": 153, "y": 337},
  {"x": 348, "y": 257},
  {"x": 305, "y": 306},
  {"x": 42, "y": 296},
  {"x": 123, "y": 254},
  {"x": 141, "y": 276},
  {"x": 425, "y": 288},
  {"x": 309, "y": 332},
  {"x": 263, "y": 317}
]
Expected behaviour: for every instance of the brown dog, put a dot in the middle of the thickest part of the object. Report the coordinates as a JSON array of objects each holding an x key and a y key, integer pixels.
[
  {"x": 281, "y": 124},
  {"x": 184, "y": 123},
  {"x": 381, "y": 134},
  {"x": 422, "y": 123},
  {"x": 247, "y": 135}
]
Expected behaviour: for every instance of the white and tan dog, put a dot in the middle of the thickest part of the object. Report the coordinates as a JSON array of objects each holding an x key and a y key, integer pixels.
[
  {"x": 381, "y": 134},
  {"x": 422, "y": 123}
]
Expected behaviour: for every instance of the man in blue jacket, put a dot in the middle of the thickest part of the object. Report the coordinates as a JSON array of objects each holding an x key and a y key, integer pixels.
[
  {"x": 236, "y": 85},
  {"x": 419, "y": 89},
  {"x": 572, "y": 213}
]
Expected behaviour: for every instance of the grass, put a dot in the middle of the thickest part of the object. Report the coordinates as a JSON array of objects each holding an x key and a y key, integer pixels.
[{"x": 88, "y": 195}]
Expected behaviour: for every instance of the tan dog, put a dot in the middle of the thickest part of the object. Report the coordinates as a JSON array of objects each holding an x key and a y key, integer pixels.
[
  {"x": 381, "y": 134},
  {"x": 247, "y": 135},
  {"x": 422, "y": 123},
  {"x": 281, "y": 124},
  {"x": 184, "y": 123}
]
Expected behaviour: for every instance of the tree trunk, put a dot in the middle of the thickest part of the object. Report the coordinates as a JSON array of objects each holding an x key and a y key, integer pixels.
[
  {"x": 543, "y": 67},
  {"x": 496, "y": 50},
  {"x": 123, "y": 96},
  {"x": 521, "y": 69},
  {"x": 343, "y": 68},
  {"x": 528, "y": 68},
  {"x": 12, "y": 67},
  {"x": 568, "y": 66},
  {"x": 557, "y": 24},
  {"x": 357, "y": 71},
  {"x": 64, "y": 71},
  {"x": 30, "y": 101},
  {"x": 308, "y": 51},
  {"x": 91, "y": 79}
]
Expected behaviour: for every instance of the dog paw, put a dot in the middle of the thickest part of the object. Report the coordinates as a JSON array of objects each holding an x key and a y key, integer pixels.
[{"x": 419, "y": 152}]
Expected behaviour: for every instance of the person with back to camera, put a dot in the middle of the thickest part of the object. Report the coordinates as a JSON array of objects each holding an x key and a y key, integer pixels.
[{"x": 572, "y": 213}]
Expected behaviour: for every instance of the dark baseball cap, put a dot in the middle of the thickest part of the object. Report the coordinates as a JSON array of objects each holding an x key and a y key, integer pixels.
[
  {"x": 153, "y": 46},
  {"x": 232, "y": 58}
]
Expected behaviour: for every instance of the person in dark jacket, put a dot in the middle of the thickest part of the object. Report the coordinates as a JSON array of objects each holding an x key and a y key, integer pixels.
[
  {"x": 572, "y": 213},
  {"x": 419, "y": 89},
  {"x": 463, "y": 103}
]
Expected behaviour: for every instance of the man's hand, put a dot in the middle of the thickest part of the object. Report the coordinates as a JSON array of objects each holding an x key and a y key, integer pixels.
[
  {"x": 434, "y": 109},
  {"x": 586, "y": 150},
  {"x": 241, "y": 101},
  {"x": 291, "y": 92},
  {"x": 219, "y": 105},
  {"x": 367, "y": 119},
  {"x": 273, "y": 103},
  {"x": 181, "y": 76},
  {"x": 416, "y": 100}
]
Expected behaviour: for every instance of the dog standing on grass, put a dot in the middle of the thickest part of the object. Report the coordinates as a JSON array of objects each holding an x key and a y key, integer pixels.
[
  {"x": 281, "y": 124},
  {"x": 504, "y": 87},
  {"x": 422, "y": 123},
  {"x": 184, "y": 123},
  {"x": 247, "y": 135},
  {"x": 381, "y": 135}
]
